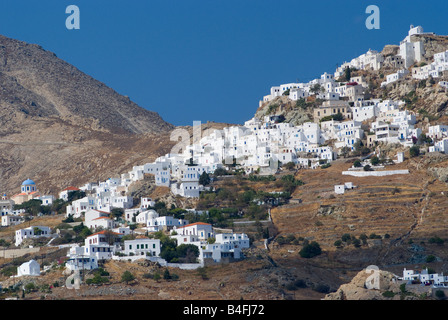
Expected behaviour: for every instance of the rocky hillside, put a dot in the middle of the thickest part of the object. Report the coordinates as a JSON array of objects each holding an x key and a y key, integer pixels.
[
  {"x": 293, "y": 111},
  {"x": 61, "y": 127},
  {"x": 35, "y": 83}
]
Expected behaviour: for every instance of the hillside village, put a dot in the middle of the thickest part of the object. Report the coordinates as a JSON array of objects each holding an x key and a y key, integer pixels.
[{"x": 350, "y": 121}]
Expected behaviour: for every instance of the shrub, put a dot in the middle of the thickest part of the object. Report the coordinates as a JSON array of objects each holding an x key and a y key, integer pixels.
[
  {"x": 430, "y": 258},
  {"x": 388, "y": 294},
  {"x": 440, "y": 294},
  {"x": 322, "y": 288},
  {"x": 436, "y": 240},
  {"x": 367, "y": 168},
  {"x": 300, "y": 283},
  {"x": 374, "y": 161},
  {"x": 357, "y": 164},
  {"x": 292, "y": 286},
  {"x": 356, "y": 243},
  {"x": 310, "y": 250},
  {"x": 166, "y": 275},
  {"x": 338, "y": 243},
  {"x": 202, "y": 272},
  {"x": 9, "y": 271},
  {"x": 289, "y": 166},
  {"x": 346, "y": 237},
  {"x": 403, "y": 288},
  {"x": 414, "y": 151},
  {"x": 30, "y": 287},
  {"x": 363, "y": 238}
]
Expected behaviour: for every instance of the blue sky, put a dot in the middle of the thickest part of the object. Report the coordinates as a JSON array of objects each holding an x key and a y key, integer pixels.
[{"x": 211, "y": 60}]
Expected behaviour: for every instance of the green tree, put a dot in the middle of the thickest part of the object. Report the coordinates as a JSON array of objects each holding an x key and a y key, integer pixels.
[
  {"x": 127, "y": 276},
  {"x": 187, "y": 253},
  {"x": 117, "y": 213},
  {"x": 316, "y": 88},
  {"x": 204, "y": 179},
  {"x": 338, "y": 117},
  {"x": 345, "y": 151},
  {"x": 347, "y": 74},
  {"x": 289, "y": 166}
]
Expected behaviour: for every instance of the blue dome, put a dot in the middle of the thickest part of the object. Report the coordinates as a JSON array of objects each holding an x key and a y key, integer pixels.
[{"x": 28, "y": 182}]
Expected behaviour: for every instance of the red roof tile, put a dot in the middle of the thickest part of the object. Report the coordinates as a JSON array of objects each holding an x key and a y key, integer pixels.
[{"x": 71, "y": 189}]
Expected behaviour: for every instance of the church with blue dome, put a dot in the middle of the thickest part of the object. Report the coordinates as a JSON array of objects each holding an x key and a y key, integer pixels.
[
  {"x": 28, "y": 192},
  {"x": 28, "y": 186}
]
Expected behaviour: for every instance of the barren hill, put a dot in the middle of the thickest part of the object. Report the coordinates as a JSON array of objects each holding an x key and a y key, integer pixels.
[
  {"x": 36, "y": 83},
  {"x": 60, "y": 126}
]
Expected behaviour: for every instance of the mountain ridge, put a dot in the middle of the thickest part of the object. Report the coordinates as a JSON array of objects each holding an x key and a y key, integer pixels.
[
  {"x": 60, "y": 126},
  {"x": 40, "y": 84}
]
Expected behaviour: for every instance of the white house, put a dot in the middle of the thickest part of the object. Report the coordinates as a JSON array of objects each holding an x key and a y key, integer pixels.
[
  {"x": 440, "y": 146},
  {"x": 79, "y": 206},
  {"x": 201, "y": 229},
  {"x": 102, "y": 244},
  {"x": 145, "y": 216},
  {"x": 93, "y": 214},
  {"x": 46, "y": 200},
  {"x": 146, "y": 203},
  {"x": 64, "y": 193},
  {"x": 412, "y": 51},
  {"x": 104, "y": 222},
  {"x": 226, "y": 246},
  {"x": 31, "y": 232},
  {"x": 438, "y": 132},
  {"x": 425, "y": 277},
  {"x": 395, "y": 77},
  {"x": 339, "y": 189},
  {"x": 30, "y": 268},
  {"x": 81, "y": 262},
  {"x": 10, "y": 220},
  {"x": 156, "y": 223},
  {"x": 143, "y": 246}
]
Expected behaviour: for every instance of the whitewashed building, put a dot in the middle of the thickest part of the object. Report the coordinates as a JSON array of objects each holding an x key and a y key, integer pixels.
[
  {"x": 30, "y": 268},
  {"x": 142, "y": 246},
  {"x": 31, "y": 232}
]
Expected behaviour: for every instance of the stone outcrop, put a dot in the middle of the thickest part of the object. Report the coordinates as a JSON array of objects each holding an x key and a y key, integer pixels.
[{"x": 357, "y": 289}]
